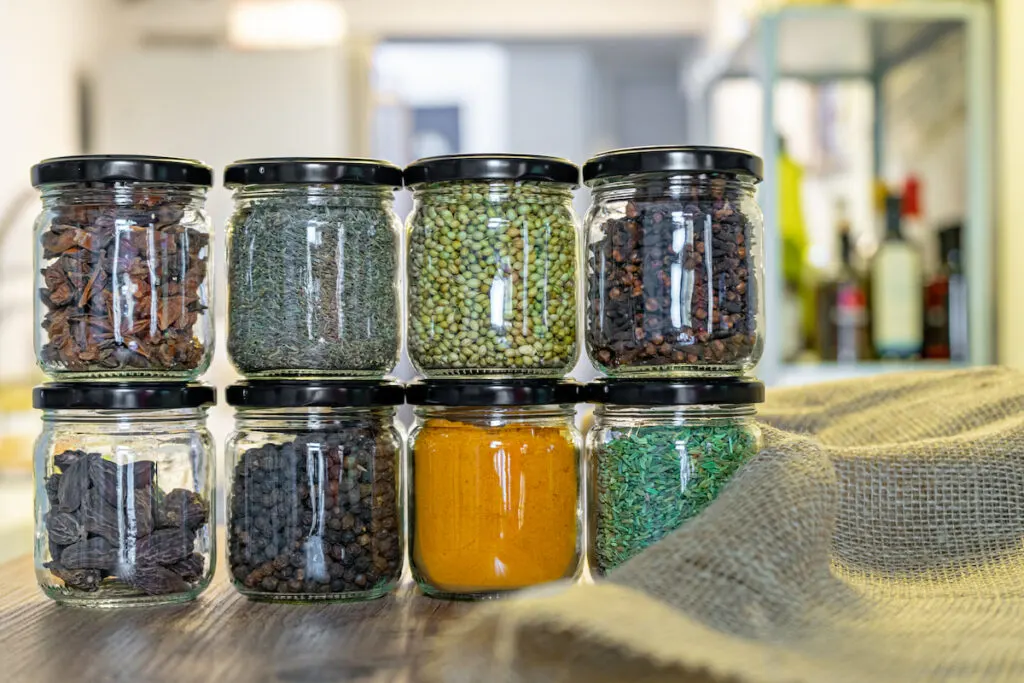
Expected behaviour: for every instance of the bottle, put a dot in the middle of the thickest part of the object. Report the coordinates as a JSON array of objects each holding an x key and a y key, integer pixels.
[
  {"x": 896, "y": 284},
  {"x": 842, "y": 305},
  {"x": 945, "y": 312}
]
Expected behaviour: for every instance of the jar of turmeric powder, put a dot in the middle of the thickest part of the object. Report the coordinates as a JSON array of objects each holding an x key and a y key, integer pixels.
[{"x": 495, "y": 496}]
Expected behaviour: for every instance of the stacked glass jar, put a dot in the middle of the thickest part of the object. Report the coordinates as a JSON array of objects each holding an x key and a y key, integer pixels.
[
  {"x": 314, "y": 324},
  {"x": 675, "y": 320},
  {"x": 494, "y": 466},
  {"x": 124, "y": 474}
]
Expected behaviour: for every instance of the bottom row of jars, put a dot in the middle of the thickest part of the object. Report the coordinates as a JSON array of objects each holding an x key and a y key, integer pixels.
[{"x": 125, "y": 509}]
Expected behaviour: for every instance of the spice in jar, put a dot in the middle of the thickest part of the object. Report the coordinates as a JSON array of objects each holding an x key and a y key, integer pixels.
[
  {"x": 313, "y": 267},
  {"x": 495, "y": 507},
  {"x": 492, "y": 266},
  {"x": 495, "y": 494},
  {"x": 317, "y": 515},
  {"x": 659, "y": 453},
  {"x": 124, "y": 265},
  {"x": 674, "y": 262},
  {"x": 110, "y": 525}
]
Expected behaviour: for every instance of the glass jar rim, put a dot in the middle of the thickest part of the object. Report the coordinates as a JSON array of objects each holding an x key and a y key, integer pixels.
[
  {"x": 121, "y": 168},
  {"x": 136, "y": 396},
  {"x": 340, "y": 394},
  {"x": 684, "y": 160},
  {"x": 492, "y": 167},
  {"x": 680, "y": 392},
  {"x": 312, "y": 171},
  {"x": 497, "y": 393}
]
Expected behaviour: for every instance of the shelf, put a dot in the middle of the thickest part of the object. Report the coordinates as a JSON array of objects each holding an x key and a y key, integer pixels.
[
  {"x": 796, "y": 374},
  {"x": 823, "y": 43}
]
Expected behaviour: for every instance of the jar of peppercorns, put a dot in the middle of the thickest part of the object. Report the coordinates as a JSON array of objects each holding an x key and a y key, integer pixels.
[
  {"x": 492, "y": 266},
  {"x": 674, "y": 262},
  {"x": 314, "y": 508},
  {"x": 124, "y": 493}
]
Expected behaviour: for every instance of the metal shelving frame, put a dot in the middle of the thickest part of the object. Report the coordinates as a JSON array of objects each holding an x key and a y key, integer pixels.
[{"x": 758, "y": 56}]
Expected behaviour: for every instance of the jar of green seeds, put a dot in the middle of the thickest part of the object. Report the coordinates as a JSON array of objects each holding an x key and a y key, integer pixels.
[
  {"x": 492, "y": 266},
  {"x": 658, "y": 454}
]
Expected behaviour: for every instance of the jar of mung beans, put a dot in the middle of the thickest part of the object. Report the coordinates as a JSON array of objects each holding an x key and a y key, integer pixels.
[{"x": 492, "y": 266}]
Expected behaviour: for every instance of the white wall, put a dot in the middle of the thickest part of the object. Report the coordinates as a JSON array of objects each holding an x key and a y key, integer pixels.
[
  {"x": 1010, "y": 170},
  {"x": 42, "y": 45}
]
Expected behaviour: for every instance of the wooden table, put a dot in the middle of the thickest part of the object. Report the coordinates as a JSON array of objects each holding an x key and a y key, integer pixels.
[{"x": 220, "y": 637}]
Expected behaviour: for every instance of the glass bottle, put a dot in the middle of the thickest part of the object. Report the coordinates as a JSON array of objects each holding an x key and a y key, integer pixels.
[
  {"x": 658, "y": 454},
  {"x": 314, "y": 499},
  {"x": 124, "y": 488},
  {"x": 313, "y": 282},
  {"x": 897, "y": 319},
  {"x": 492, "y": 266},
  {"x": 123, "y": 260},
  {"x": 495, "y": 502},
  {"x": 674, "y": 262}
]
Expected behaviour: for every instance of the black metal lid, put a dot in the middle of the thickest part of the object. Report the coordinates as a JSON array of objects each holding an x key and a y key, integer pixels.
[
  {"x": 686, "y": 159},
  {"x": 312, "y": 171},
  {"x": 122, "y": 396},
  {"x": 492, "y": 167},
  {"x": 674, "y": 392},
  {"x": 314, "y": 394},
  {"x": 500, "y": 392},
  {"x": 118, "y": 168}
]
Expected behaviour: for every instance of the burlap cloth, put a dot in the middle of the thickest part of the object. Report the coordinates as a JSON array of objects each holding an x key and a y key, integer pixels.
[{"x": 877, "y": 537}]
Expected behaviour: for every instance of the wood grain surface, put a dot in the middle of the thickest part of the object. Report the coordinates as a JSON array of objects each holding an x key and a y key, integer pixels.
[{"x": 220, "y": 637}]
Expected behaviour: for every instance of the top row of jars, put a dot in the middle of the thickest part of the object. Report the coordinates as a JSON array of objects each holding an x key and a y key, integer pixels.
[{"x": 672, "y": 270}]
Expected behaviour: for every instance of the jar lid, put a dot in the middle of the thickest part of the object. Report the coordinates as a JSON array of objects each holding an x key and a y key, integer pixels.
[
  {"x": 117, "y": 168},
  {"x": 312, "y": 171},
  {"x": 122, "y": 396},
  {"x": 687, "y": 159},
  {"x": 314, "y": 394},
  {"x": 501, "y": 392},
  {"x": 674, "y": 392},
  {"x": 492, "y": 167}
]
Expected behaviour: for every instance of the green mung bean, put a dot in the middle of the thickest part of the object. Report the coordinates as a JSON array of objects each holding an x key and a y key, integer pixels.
[{"x": 492, "y": 279}]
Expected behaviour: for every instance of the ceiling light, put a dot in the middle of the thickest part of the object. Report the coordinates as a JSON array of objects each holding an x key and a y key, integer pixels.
[{"x": 285, "y": 24}]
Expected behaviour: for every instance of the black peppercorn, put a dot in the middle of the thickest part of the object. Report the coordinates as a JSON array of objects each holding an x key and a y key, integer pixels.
[{"x": 301, "y": 521}]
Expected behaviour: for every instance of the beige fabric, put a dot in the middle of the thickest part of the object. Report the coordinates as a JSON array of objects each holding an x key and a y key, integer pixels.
[{"x": 877, "y": 537}]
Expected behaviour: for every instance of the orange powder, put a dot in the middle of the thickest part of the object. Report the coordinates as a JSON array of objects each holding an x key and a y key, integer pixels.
[{"x": 494, "y": 508}]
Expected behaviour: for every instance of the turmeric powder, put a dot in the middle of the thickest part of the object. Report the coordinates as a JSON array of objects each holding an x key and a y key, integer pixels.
[{"x": 495, "y": 507}]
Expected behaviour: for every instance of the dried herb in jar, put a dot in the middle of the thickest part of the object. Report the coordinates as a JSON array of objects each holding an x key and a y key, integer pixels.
[
  {"x": 110, "y": 526},
  {"x": 492, "y": 279},
  {"x": 124, "y": 288},
  {"x": 648, "y": 481},
  {"x": 312, "y": 282},
  {"x": 672, "y": 281},
  {"x": 316, "y": 517}
]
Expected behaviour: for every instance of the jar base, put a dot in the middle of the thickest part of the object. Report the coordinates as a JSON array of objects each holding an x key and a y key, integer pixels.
[
  {"x": 109, "y": 599},
  {"x": 116, "y": 376},
  {"x": 439, "y": 594},
  {"x": 494, "y": 373},
  {"x": 674, "y": 371},
  {"x": 304, "y": 373},
  {"x": 316, "y": 598}
]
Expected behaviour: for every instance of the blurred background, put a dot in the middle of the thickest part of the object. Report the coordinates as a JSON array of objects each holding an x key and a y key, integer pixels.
[{"x": 852, "y": 105}]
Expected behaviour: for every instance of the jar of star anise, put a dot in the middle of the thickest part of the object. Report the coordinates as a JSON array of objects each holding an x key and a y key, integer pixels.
[
  {"x": 674, "y": 262},
  {"x": 123, "y": 256}
]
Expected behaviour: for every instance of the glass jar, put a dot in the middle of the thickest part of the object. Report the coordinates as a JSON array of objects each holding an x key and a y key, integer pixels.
[
  {"x": 124, "y": 488},
  {"x": 313, "y": 253},
  {"x": 674, "y": 262},
  {"x": 492, "y": 265},
  {"x": 495, "y": 501},
  {"x": 658, "y": 454},
  {"x": 314, "y": 509},
  {"x": 123, "y": 268}
]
